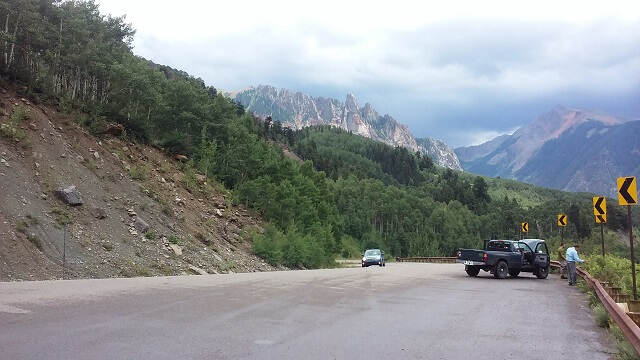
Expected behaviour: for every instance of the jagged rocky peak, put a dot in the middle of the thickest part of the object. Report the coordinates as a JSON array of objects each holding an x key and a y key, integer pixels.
[
  {"x": 300, "y": 110},
  {"x": 351, "y": 103},
  {"x": 441, "y": 153}
]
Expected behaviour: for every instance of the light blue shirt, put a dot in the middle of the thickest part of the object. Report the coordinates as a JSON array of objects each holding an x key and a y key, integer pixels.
[{"x": 572, "y": 255}]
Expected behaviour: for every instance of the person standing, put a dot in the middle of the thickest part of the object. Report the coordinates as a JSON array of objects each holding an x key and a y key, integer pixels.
[
  {"x": 563, "y": 261},
  {"x": 572, "y": 258}
]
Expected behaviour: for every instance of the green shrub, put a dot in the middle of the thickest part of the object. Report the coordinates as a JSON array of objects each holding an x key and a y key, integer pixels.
[
  {"x": 35, "y": 241},
  {"x": 63, "y": 217},
  {"x": 601, "y": 316},
  {"x": 613, "y": 269},
  {"x": 22, "y": 226},
  {"x": 138, "y": 172},
  {"x": 173, "y": 239},
  {"x": 625, "y": 349},
  {"x": 150, "y": 234},
  {"x": 267, "y": 246},
  {"x": 32, "y": 219}
]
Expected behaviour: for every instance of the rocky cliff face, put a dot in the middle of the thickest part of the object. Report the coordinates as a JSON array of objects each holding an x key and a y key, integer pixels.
[
  {"x": 440, "y": 153},
  {"x": 298, "y": 110}
]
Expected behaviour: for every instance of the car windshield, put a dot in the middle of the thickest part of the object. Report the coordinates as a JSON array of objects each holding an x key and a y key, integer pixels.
[{"x": 371, "y": 252}]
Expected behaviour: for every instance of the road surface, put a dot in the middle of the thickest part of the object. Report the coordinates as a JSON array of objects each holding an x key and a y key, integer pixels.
[{"x": 401, "y": 311}]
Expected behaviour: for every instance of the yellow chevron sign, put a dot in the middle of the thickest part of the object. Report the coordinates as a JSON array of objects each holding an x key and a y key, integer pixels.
[
  {"x": 601, "y": 219},
  {"x": 599, "y": 205},
  {"x": 525, "y": 227},
  {"x": 562, "y": 220},
  {"x": 627, "y": 194}
]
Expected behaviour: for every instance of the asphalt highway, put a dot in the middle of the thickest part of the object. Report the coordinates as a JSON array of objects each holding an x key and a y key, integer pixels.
[{"x": 401, "y": 311}]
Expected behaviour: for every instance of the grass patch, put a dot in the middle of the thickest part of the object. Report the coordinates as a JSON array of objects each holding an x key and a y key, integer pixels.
[
  {"x": 150, "y": 234},
  {"x": 63, "y": 216},
  {"x": 139, "y": 172},
  {"x": 35, "y": 241},
  {"x": 167, "y": 209},
  {"x": 601, "y": 316},
  {"x": 624, "y": 348},
  {"x": 173, "y": 239},
  {"x": 32, "y": 219},
  {"x": 22, "y": 226},
  {"x": 164, "y": 168},
  {"x": 228, "y": 266},
  {"x": 11, "y": 129}
]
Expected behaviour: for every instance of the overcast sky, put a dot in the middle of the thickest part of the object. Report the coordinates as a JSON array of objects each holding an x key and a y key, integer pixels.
[{"x": 459, "y": 71}]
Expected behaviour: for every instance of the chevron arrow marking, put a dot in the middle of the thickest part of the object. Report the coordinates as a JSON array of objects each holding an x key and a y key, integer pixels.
[
  {"x": 598, "y": 203},
  {"x": 627, "y": 191},
  {"x": 561, "y": 220}
]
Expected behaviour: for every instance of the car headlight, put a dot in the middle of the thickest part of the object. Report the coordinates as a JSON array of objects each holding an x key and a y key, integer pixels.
[{"x": 364, "y": 259}]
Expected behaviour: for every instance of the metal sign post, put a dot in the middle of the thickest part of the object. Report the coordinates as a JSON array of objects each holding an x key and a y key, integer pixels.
[
  {"x": 633, "y": 259},
  {"x": 562, "y": 222},
  {"x": 64, "y": 252},
  {"x": 602, "y": 234},
  {"x": 627, "y": 196}
]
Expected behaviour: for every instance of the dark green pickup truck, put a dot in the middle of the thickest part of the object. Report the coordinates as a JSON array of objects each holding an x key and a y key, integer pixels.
[{"x": 507, "y": 257}]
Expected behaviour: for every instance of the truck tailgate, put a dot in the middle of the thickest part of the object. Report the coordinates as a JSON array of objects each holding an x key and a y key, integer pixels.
[{"x": 471, "y": 255}]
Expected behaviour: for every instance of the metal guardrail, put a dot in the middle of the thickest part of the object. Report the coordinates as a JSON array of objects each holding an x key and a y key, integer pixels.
[
  {"x": 624, "y": 322},
  {"x": 427, "y": 259}
]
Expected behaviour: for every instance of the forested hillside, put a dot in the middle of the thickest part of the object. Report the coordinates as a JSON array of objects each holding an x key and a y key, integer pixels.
[{"x": 347, "y": 193}]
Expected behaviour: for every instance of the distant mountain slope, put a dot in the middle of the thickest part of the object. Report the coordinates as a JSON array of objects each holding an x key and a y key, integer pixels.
[
  {"x": 298, "y": 110},
  {"x": 589, "y": 158},
  {"x": 471, "y": 153},
  {"x": 565, "y": 149}
]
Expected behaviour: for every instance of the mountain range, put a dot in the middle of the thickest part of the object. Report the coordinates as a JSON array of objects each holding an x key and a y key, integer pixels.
[
  {"x": 566, "y": 149},
  {"x": 297, "y": 110}
]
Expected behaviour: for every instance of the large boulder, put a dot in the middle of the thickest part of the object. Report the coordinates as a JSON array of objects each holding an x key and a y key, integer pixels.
[
  {"x": 140, "y": 225},
  {"x": 70, "y": 195},
  {"x": 98, "y": 213}
]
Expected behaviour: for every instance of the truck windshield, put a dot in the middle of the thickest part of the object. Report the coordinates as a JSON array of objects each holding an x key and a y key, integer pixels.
[{"x": 499, "y": 246}]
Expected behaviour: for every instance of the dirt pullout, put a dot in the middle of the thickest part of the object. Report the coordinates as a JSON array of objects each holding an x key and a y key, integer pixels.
[{"x": 124, "y": 187}]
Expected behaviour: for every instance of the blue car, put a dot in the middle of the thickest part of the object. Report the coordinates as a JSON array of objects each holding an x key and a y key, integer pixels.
[{"x": 373, "y": 257}]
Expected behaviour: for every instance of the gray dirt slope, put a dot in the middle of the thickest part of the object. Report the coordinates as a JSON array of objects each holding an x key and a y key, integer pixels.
[{"x": 192, "y": 225}]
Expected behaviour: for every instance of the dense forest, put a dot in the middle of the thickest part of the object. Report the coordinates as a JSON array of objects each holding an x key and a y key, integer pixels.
[{"x": 341, "y": 193}]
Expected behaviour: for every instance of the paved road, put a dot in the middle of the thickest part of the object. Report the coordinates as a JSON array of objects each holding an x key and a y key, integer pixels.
[{"x": 401, "y": 311}]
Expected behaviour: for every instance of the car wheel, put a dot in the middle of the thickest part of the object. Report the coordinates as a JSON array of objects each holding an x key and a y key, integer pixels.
[
  {"x": 514, "y": 272},
  {"x": 502, "y": 270},
  {"x": 542, "y": 273},
  {"x": 472, "y": 270}
]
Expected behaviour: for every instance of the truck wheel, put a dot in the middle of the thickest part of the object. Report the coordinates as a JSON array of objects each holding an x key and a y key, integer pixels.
[
  {"x": 502, "y": 269},
  {"x": 542, "y": 273},
  {"x": 514, "y": 272},
  {"x": 472, "y": 270}
]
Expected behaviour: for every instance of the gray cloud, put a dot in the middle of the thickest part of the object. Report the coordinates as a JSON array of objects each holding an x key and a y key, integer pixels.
[{"x": 449, "y": 80}]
